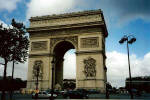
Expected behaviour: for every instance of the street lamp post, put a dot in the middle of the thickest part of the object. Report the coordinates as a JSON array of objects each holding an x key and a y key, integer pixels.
[
  {"x": 129, "y": 39},
  {"x": 106, "y": 84},
  {"x": 37, "y": 80},
  {"x": 37, "y": 76}
]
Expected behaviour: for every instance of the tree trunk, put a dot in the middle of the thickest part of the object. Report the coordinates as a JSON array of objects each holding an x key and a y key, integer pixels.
[
  {"x": 4, "y": 80},
  {"x": 11, "y": 90},
  {"x": 13, "y": 69}
]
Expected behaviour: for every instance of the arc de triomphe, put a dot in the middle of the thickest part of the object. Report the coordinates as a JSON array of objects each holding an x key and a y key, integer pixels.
[{"x": 51, "y": 36}]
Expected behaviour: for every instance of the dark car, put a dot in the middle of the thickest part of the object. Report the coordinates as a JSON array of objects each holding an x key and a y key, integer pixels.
[
  {"x": 76, "y": 94},
  {"x": 93, "y": 91},
  {"x": 54, "y": 91}
]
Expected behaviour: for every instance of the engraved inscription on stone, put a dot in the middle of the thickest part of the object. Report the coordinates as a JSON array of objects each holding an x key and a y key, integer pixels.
[
  {"x": 39, "y": 45},
  {"x": 89, "y": 67},
  {"x": 91, "y": 42}
]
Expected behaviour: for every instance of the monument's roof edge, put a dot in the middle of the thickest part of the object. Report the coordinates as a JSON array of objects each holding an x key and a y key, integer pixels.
[
  {"x": 65, "y": 26},
  {"x": 48, "y": 28},
  {"x": 65, "y": 15}
]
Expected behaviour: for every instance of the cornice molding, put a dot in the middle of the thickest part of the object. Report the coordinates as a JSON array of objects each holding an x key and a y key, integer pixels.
[
  {"x": 66, "y": 15},
  {"x": 89, "y": 52},
  {"x": 57, "y": 27},
  {"x": 39, "y": 55},
  {"x": 91, "y": 79},
  {"x": 68, "y": 32}
]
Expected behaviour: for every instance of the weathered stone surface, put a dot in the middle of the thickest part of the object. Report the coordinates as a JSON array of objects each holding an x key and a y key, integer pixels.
[
  {"x": 39, "y": 45},
  {"x": 66, "y": 21},
  {"x": 37, "y": 69},
  {"x": 90, "y": 42},
  {"x": 89, "y": 67},
  {"x": 51, "y": 36},
  {"x": 72, "y": 39}
]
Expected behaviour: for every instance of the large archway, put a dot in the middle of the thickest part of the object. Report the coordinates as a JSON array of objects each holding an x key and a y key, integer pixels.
[
  {"x": 51, "y": 36},
  {"x": 59, "y": 50}
]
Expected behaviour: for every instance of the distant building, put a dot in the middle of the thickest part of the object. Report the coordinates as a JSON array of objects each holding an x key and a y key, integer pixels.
[{"x": 140, "y": 83}]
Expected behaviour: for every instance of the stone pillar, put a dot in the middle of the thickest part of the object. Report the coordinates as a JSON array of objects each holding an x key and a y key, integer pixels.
[
  {"x": 59, "y": 72},
  {"x": 90, "y": 63}
]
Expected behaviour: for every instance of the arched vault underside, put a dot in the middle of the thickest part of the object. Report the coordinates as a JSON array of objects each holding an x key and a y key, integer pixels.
[
  {"x": 59, "y": 51},
  {"x": 51, "y": 36}
]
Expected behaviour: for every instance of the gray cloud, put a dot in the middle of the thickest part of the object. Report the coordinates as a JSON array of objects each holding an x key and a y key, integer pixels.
[
  {"x": 20, "y": 70},
  {"x": 3, "y": 23},
  {"x": 115, "y": 11},
  {"x": 48, "y": 7},
  {"x": 8, "y": 5},
  {"x": 118, "y": 11},
  {"x": 123, "y": 11},
  {"x": 117, "y": 64}
]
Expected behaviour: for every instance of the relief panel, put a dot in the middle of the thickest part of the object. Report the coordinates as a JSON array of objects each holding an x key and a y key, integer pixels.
[
  {"x": 73, "y": 39},
  {"x": 90, "y": 42},
  {"x": 39, "y": 46},
  {"x": 37, "y": 69},
  {"x": 89, "y": 67}
]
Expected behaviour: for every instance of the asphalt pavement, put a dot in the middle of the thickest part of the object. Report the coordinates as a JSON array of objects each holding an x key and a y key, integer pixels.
[{"x": 91, "y": 96}]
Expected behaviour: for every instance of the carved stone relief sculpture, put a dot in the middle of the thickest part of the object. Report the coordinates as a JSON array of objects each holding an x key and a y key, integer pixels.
[
  {"x": 89, "y": 67},
  {"x": 37, "y": 69},
  {"x": 39, "y": 45},
  {"x": 90, "y": 42},
  {"x": 73, "y": 39}
]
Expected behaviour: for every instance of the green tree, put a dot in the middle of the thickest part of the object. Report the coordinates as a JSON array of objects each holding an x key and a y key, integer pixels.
[{"x": 14, "y": 44}]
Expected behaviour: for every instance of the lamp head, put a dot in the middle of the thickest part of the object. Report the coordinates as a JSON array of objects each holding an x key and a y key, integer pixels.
[
  {"x": 122, "y": 40},
  {"x": 132, "y": 40}
]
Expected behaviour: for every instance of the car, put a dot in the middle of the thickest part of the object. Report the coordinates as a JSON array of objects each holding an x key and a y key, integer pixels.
[
  {"x": 43, "y": 94},
  {"x": 76, "y": 94},
  {"x": 93, "y": 91},
  {"x": 54, "y": 91},
  {"x": 62, "y": 92}
]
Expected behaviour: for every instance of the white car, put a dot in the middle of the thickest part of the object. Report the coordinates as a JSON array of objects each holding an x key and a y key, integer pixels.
[{"x": 43, "y": 94}]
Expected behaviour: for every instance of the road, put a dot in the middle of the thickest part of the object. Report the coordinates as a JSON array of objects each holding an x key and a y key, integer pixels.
[{"x": 91, "y": 96}]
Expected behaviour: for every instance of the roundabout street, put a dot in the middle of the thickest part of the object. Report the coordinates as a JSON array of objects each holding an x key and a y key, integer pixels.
[{"x": 91, "y": 96}]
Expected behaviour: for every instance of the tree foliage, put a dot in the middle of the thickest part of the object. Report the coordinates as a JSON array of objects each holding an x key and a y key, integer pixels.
[
  {"x": 13, "y": 46},
  {"x": 14, "y": 42}
]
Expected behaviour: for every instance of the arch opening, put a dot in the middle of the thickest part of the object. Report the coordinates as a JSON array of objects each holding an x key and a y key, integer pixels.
[{"x": 60, "y": 50}]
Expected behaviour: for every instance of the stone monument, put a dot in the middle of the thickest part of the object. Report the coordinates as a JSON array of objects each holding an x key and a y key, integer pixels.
[{"x": 51, "y": 36}]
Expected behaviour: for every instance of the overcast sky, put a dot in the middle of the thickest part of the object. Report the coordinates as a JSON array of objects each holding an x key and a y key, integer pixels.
[{"x": 122, "y": 17}]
